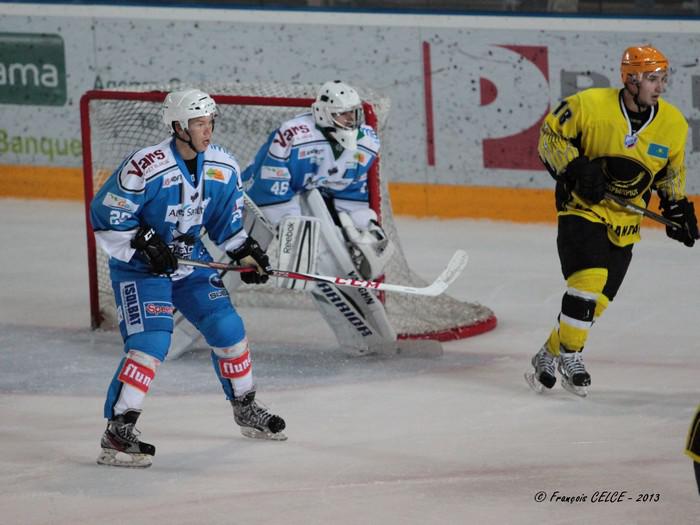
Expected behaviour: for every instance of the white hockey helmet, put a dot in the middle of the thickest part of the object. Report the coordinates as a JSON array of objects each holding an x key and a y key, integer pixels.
[
  {"x": 181, "y": 106},
  {"x": 334, "y": 98}
]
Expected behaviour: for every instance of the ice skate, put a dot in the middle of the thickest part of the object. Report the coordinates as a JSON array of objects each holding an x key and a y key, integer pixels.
[
  {"x": 255, "y": 421},
  {"x": 574, "y": 376},
  {"x": 542, "y": 377},
  {"x": 121, "y": 446}
]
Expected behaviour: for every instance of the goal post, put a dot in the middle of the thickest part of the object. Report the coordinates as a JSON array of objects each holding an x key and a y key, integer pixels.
[{"x": 115, "y": 123}]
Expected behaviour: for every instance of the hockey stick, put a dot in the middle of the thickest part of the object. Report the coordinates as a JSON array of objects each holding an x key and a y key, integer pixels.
[
  {"x": 642, "y": 211},
  {"x": 450, "y": 273}
]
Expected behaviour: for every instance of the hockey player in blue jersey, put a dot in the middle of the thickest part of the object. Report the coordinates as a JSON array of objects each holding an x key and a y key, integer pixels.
[
  {"x": 314, "y": 168},
  {"x": 149, "y": 213}
]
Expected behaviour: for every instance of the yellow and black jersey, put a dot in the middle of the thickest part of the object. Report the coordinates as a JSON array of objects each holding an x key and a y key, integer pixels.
[
  {"x": 692, "y": 444},
  {"x": 592, "y": 123}
]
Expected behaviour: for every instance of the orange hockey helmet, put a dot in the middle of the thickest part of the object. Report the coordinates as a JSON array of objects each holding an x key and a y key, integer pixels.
[{"x": 641, "y": 59}]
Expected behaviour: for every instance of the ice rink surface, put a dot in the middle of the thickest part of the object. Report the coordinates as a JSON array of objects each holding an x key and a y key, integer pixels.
[{"x": 372, "y": 440}]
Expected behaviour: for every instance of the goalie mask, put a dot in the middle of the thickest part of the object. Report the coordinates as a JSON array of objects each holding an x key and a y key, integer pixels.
[
  {"x": 181, "y": 106},
  {"x": 338, "y": 110}
]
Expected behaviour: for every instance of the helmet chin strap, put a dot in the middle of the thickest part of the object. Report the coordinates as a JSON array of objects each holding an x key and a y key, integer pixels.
[
  {"x": 188, "y": 142},
  {"x": 635, "y": 98}
]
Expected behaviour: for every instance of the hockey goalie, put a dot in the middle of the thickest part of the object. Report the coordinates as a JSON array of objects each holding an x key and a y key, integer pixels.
[{"x": 308, "y": 183}]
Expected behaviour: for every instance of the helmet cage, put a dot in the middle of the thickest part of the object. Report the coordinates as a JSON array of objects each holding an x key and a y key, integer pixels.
[
  {"x": 333, "y": 99},
  {"x": 357, "y": 118}
]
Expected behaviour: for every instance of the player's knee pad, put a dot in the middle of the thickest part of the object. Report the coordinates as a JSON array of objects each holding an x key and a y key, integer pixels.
[
  {"x": 579, "y": 305},
  {"x": 233, "y": 361},
  {"x": 151, "y": 342},
  {"x": 234, "y": 368},
  {"x": 575, "y": 319},
  {"x": 131, "y": 383},
  {"x": 582, "y": 296},
  {"x": 138, "y": 370},
  {"x": 222, "y": 328}
]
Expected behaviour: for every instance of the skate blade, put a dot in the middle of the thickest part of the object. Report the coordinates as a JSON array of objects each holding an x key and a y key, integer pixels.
[
  {"x": 580, "y": 391},
  {"x": 114, "y": 458},
  {"x": 534, "y": 383},
  {"x": 254, "y": 433}
]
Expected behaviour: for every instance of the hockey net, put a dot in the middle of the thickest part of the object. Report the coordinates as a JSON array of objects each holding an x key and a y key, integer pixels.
[{"x": 117, "y": 122}]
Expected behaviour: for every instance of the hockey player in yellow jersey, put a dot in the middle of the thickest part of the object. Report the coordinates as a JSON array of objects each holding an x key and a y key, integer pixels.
[
  {"x": 625, "y": 142},
  {"x": 692, "y": 445}
]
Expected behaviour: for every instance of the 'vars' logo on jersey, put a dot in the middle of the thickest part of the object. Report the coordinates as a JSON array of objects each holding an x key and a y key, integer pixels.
[
  {"x": 142, "y": 163},
  {"x": 285, "y": 136}
]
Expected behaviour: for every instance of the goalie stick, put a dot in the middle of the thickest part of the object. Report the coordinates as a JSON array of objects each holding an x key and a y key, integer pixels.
[
  {"x": 449, "y": 274},
  {"x": 642, "y": 211}
]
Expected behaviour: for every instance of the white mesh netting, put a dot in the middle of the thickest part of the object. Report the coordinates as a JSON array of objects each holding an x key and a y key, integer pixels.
[{"x": 126, "y": 122}]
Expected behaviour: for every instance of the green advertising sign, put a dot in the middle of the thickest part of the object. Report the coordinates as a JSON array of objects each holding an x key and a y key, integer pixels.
[{"x": 32, "y": 69}]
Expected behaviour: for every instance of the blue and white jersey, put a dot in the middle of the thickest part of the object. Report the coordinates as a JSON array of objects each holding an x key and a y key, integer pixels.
[
  {"x": 153, "y": 186},
  {"x": 298, "y": 157}
]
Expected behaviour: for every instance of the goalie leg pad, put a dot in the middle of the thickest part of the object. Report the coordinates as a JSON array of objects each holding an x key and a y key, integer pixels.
[
  {"x": 333, "y": 256},
  {"x": 356, "y": 316}
]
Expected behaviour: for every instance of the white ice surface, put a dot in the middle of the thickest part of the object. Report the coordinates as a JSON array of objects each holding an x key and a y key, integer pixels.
[{"x": 458, "y": 439}]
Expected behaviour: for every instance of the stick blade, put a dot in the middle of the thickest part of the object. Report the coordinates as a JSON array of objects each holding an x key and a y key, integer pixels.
[{"x": 454, "y": 267}]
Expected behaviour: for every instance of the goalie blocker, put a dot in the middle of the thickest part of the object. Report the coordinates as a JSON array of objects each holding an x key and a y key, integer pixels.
[{"x": 298, "y": 248}]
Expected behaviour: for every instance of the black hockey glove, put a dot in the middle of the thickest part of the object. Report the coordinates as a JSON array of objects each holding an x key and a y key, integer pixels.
[
  {"x": 683, "y": 213},
  {"x": 250, "y": 254},
  {"x": 586, "y": 178},
  {"x": 152, "y": 248}
]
